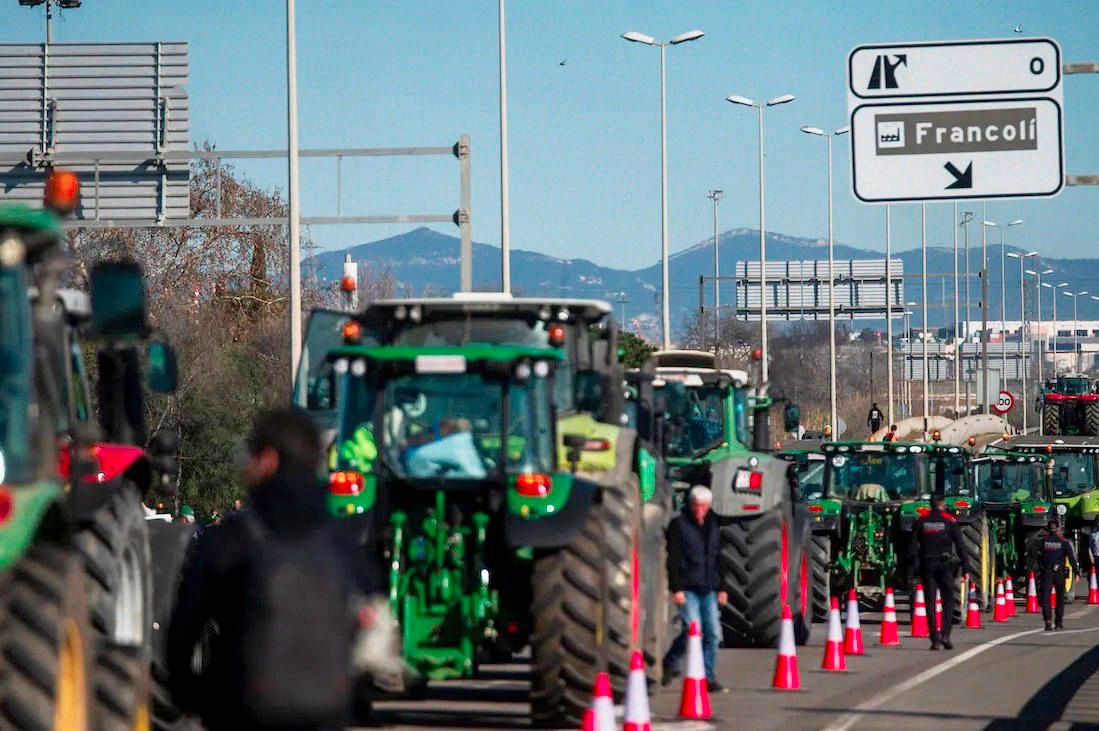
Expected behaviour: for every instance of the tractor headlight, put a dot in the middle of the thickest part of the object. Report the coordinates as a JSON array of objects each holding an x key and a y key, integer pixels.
[
  {"x": 1062, "y": 509},
  {"x": 541, "y": 368},
  {"x": 340, "y": 366},
  {"x": 522, "y": 371},
  {"x": 358, "y": 368}
]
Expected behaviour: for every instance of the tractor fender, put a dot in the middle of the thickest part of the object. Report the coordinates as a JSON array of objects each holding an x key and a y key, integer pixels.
[
  {"x": 558, "y": 529},
  {"x": 37, "y": 509},
  {"x": 731, "y": 502}
]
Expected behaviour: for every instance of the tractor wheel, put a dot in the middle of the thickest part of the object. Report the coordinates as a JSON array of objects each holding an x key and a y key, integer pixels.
[
  {"x": 755, "y": 561},
  {"x": 168, "y": 543},
  {"x": 122, "y": 689},
  {"x": 45, "y": 678},
  {"x": 1070, "y": 584},
  {"x": 1091, "y": 418},
  {"x": 1051, "y": 419},
  {"x": 115, "y": 547},
  {"x": 657, "y": 628},
  {"x": 820, "y": 558},
  {"x": 979, "y": 558},
  {"x": 581, "y": 595},
  {"x": 799, "y": 577}
]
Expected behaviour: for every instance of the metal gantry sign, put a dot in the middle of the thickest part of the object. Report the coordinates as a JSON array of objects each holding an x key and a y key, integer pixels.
[{"x": 955, "y": 120}]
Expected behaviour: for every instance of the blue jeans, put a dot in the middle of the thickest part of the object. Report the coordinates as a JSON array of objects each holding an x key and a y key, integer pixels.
[{"x": 701, "y": 608}]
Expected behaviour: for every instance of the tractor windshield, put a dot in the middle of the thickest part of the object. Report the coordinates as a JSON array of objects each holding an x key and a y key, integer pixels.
[
  {"x": 953, "y": 469},
  {"x": 873, "y": 476},
  {"x": 1009, "y": 482},
  {"x": 696, "y": 421},
  {"x": 1072, "y": 386},
  {"x": 1073, "y": 472},
  {"x": 15, "y": 377},
  {"x": 455, "y": 426}
]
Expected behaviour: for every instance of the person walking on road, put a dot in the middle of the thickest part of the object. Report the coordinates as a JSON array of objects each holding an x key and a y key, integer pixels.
[
  {"x": 279, "y": 588},
  {"x": 935, "y": 554},
  {"x": 1054, "y": 551},
  {"x": 875, "y": 418},
  {"x": 1093, "y": 543},
  {"x": 694, "y": 578}
]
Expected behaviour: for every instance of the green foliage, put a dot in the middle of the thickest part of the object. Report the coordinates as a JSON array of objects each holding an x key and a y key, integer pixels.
[{"x": 635, "y": 349}]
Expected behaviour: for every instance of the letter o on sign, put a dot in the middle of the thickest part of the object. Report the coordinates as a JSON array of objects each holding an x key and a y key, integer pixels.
[{"x": 1037, "y": 65}]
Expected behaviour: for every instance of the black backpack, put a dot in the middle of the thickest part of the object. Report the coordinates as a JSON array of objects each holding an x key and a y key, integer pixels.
[{"x": 297, "y": 628}]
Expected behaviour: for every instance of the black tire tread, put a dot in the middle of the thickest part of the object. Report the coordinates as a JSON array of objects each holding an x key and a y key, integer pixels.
[
  {"x": 972, "y": 534},
  {"x": 750, "y": 566},
  {"x": 1091, "y": 418},
  {"x": 1051, "y": 419},
  {"x": 820, "y": 579},
  {"x": 121, "y": 687}
]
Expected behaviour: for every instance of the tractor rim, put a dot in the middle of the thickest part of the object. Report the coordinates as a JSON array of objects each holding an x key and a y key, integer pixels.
[
  {"x": 804, "y": 583},
  {"x": 986, "y": 575},
  {"x": 784, "y": 567},
  {"x": 70, "y": 712},
  {"x": 635, "y": 596},
  {"x": 129, "y": 620},
  {"x": 141, "y": 718}
]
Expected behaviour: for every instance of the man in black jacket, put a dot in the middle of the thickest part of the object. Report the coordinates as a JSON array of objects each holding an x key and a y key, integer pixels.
[
  {"x": 1054, "y": 551},
  {"x": 936, "y": 553},
  {"x": 287, "y": 495},
  {"x": 694, "y": 579}
]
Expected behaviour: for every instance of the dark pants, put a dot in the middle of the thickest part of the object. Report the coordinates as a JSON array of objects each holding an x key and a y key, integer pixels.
[
  {"x": 939, "y": 577},
  {"x": 874, "y": 426},
  {"x": 1052, "y": 578}
]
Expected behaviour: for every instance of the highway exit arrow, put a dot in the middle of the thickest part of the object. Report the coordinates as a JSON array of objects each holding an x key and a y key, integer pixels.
[{"x": 961, "y": 179}]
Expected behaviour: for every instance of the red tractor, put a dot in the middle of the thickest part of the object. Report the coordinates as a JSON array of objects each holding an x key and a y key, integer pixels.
[{"x": 1070, "y": 405}]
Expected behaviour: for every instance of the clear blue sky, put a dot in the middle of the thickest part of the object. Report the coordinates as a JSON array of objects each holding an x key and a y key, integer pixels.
[{"x": 585, "y": 136}]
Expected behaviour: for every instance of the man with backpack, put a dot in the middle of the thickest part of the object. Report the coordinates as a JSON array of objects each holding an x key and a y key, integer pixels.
[{"x": 273, "y": 590}]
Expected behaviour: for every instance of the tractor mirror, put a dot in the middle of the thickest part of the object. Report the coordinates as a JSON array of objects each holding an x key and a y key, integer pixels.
[
  {"x": 118, "y": 299},
  {"x": 791, "y": 418},
  {"x": 163, "y": 373}
]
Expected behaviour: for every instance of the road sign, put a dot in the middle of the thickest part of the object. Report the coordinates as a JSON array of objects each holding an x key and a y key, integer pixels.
[
  {"x": 947, "y": 121},
  {"x": 1004, "y": 403}
]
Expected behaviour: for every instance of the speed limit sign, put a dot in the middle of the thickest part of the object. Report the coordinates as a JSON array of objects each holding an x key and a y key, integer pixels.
[{"x": 1004, "y": 402}]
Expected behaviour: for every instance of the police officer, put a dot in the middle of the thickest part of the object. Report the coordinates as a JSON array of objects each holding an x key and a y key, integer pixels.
[
  {"x": 936, "y": 553},
  {"x": 1053, "y": 551}
]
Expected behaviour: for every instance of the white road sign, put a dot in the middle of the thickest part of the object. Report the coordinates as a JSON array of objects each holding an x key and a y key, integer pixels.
[
  {"x": 1004, "y": 403},
  {"x": 947, "y": 121}
]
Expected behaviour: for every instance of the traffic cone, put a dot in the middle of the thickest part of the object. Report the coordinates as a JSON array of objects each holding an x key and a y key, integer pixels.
[
  {"x": 834, "y": 658},
  {"x": 600, "y": 717},
  {"x": 1031, "y": 595},
  {"x": 1052, "y": 596},
  {"x": 1093, "y": 588},
  {"x": 973, "y": 614},
  {"x": 852, "y": 638},
  {"x": 919, "y": 615},
  {"x": 637, "y": 696},
  {"x": 1009, "y": 595},
  {"x": 786, "y": 666},
  {"x": 999, "y": 614},
  {"x": 889, "y": 632},
  {"x": 695, "y": 700},
  {"x": 938, "y": 612}
]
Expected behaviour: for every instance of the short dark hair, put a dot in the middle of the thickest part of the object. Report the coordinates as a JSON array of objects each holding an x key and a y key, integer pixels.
[{"x": 290, "y": 431}]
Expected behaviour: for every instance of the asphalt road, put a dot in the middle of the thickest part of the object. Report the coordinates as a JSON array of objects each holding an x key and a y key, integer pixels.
[{"x": 1005, "y": 676}]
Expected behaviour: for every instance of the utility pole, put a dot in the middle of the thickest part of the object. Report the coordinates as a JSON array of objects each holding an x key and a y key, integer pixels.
[
  {"x": 889, "y": 311},
  {"x": 967, "y": 216},
  {"x": 505, "y": 223},
  {"x": 984, "y": 308},
  {"x": 957, "y": 327},
  {"x": 926, "y": 375},
  {"x": 715, "y": 196},
  {"x": 292, "y": 208},
  {"x": 621, "y": 300}
]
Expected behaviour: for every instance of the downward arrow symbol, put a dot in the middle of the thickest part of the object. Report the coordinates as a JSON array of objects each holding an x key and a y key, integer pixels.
[{"x": 961, "y": 180}]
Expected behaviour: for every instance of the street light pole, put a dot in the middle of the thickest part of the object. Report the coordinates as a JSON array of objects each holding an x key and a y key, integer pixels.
[
  {"x": 715, "y": 196},
  {"x": 635, "y": 37},
  {"x": 744, "y": 101},
  {"x": 984, "y": 309},
  {"x": 1024, "y": 343},
  {"x": 957, "y": 327},
  {"x": 292, "y": 208},
  {"x": 505, "y": 214},
  {"x": 1041, "y": 326},
  {"x": 889, "y": 310},
  {"x": 967, "y": 216},
  {"x": 831, "y": 280},
  {"x": 926, "y": 375}
]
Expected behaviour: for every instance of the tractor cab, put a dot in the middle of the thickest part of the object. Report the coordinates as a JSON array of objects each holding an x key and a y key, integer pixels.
[
  {"x": 950, "y": 474},
  {"x": 876, "y": 472},
  {"x": 1013, "y": 478}
]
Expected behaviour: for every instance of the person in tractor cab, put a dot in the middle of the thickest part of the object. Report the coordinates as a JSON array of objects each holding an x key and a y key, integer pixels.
[
  {"x": 936, "y": 553},
  {"x": 280, "y": 582},
  {"x": 1054, "y": 551},
  {"x": 693, "y": 578}
]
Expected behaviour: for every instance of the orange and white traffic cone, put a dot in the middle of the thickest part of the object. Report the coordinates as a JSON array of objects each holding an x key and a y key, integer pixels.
[
  {"x": 1053, "y": 596},
  {"x": 833, "y": 648},
  {"x": 695, "y": 700},
  {"x": 600, "y": 717},
  {"x": 919, "y": 615},
  {"x": 1032, "y": 606},
  {"x": 889, "y": 632},
  {"x": 852, "y": 637},
  {"x": 1009, "y": 597},
  {"x": 1093, "y": 588},
  {"x": 973, "y": 614},
  {"x": 999, "y": 614},
  {"x": 786, "y": 666},
  {"x": 938, "y": 612},
  {"x": 638, "y": 717}
]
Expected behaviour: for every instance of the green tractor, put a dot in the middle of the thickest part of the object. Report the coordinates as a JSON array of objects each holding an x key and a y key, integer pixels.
[
  {"x": 75, "y": 595},
  {"x": 1070, "y": 405},
  {"x": 588, "y": 400},
  {"x": 765, "y": 536},
  {"x": 873, "y": 494},
  {"x": 1074, "y": 478},
  {"x": 1014, "y": 490}
]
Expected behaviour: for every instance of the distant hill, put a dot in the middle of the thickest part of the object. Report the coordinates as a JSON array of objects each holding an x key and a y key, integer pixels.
[{"x": 424, "y": 261}]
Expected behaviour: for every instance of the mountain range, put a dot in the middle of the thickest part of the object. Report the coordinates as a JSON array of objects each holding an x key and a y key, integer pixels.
[{"x": 425, "y": 262}]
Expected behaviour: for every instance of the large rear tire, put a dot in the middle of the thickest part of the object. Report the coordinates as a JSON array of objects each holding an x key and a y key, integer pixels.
[
  {"x": 1051, "y": 419},
  {"x": 657, "y": 625},
  {"x": 45, "y": 642},
  {"x": 755, "y": 560},
  {"x": 122, "y": 689},
  {"x": 1091, "y": 418},
  {"x": 980, "y": 559},
  {"x": 168, "y": 544},
  {"x": 820, "y": 558}
]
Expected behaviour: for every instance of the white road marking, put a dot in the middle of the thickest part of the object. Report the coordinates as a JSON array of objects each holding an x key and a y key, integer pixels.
[
  {"x": 846, "y": 722},
  {"x": 683, "y": 726}
]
